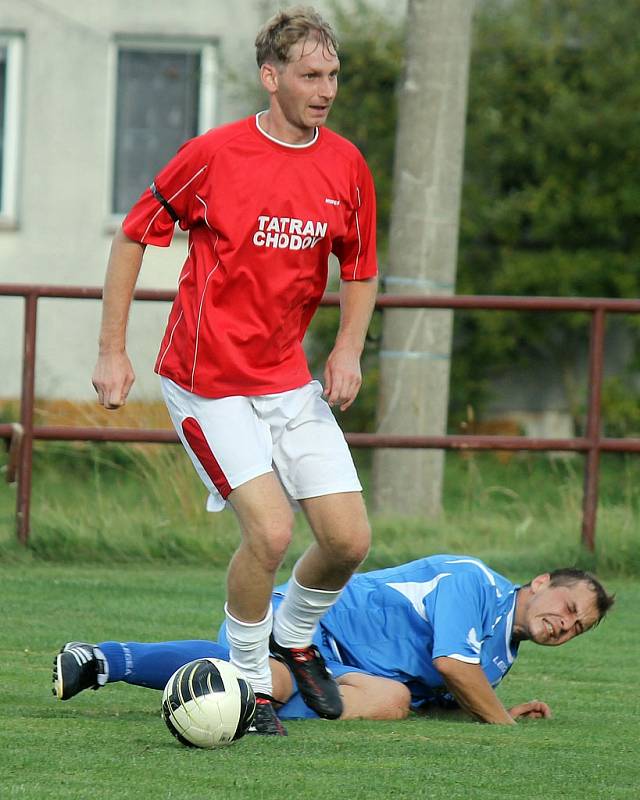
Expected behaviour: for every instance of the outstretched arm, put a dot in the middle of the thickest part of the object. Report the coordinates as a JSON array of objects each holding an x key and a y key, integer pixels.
[
  {"x": 342, "y": 375},
  {"x": 474, "y": 693},
  {"x": 113, "y": 375}
]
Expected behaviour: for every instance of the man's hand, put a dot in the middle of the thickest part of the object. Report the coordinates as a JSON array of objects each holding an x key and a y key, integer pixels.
[
  {"x": 342, "y": 377},
  {"x": 112, "y": 379},
  {"x": 113, "y": 376},
  {"x": 534, "y": 709}
]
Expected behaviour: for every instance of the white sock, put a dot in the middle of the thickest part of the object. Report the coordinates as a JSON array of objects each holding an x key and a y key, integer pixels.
[
  {"x": 249, "y": 649},
  {"x": 298, "y": 615}
]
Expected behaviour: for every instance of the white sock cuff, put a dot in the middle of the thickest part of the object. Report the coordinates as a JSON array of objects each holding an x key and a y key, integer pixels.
[
  {"x": 299, "y": 613},
  {"x": 313, "y": 596},
  {"x": 251, "y": 631},
  {"x": 237, "y": 621}
]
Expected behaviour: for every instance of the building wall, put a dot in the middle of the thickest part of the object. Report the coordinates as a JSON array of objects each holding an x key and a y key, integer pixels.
[{"x": 62, "y": 230}]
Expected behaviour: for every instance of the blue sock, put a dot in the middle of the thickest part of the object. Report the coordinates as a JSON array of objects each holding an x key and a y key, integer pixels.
[{"x": 152, "y": 664}]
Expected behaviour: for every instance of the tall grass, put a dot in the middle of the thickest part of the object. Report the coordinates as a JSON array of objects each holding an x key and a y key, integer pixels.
[{"x": 117, "y": 503}]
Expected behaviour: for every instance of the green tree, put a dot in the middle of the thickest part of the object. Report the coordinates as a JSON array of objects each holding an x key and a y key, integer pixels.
[
  {"x": 551, "y": 201},
  {"x": 551, "y": 194}
]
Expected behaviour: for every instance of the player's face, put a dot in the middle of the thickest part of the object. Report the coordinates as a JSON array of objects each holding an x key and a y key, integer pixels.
[
  {"x": 553, "y": 615},
  {"x": 305, "y": 87}
]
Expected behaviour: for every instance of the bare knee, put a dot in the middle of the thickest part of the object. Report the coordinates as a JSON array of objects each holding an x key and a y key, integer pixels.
[
  {"x": 360, "y": 544},
  {"x": 270, "y": 544},
  {"x": 266, "y": 537},
  {"x": 266, "y": 520},
  {"x": 353, "y": 547}
]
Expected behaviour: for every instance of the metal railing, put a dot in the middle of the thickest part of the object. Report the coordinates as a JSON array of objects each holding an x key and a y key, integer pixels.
[{"x": 22, "y": 435}]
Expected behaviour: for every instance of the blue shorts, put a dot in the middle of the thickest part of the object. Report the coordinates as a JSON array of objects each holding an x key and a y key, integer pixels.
[{"x": 295, "y": 707}]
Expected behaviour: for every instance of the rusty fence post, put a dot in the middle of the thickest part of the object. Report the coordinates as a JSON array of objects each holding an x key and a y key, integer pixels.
[
  {"x": 594, "y": 416},
  {"x": 25, "y": 459}
]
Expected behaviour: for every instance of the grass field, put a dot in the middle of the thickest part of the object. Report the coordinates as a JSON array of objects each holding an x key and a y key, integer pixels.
[
  {"x": 122, "y": 548},
  {"x": 113, "y": 744}
]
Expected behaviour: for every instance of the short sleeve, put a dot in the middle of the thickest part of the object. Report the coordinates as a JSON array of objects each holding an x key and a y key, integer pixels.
[
  {"x": 170, "y": 197},
  {"x": 356, "y": 250},
  {"x": 456, "y": 611}
]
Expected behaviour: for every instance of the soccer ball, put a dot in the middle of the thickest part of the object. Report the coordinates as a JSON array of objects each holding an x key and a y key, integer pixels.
[{"x": 207, "y": 703}]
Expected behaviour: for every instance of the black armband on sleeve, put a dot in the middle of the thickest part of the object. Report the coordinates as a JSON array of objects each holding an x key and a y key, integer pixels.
[{"x": 164, "y": 203}]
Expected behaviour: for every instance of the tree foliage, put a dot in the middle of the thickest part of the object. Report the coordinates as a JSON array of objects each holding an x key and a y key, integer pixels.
[
  {"x": 551, "y": 194},
  {"x": 551, "y": 200}
]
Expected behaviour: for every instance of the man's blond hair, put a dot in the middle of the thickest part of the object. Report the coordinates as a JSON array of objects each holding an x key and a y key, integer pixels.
[{"x": 286, "y": 28}]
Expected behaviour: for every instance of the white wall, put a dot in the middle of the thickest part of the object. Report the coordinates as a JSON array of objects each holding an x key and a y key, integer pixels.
[{"x": 63, "y": 229}]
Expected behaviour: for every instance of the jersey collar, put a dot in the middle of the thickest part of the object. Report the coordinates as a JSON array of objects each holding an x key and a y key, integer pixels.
[{"x": 280, "y": 143}]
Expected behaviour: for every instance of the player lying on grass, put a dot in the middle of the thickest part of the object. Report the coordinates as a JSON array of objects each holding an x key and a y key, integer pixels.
[{"x": 441, "y": 631}]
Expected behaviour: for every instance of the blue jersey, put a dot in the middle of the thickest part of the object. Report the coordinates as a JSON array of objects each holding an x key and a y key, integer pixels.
[
  {"x": 394, "y": 622},
  {"x": 391, "y": 623}
]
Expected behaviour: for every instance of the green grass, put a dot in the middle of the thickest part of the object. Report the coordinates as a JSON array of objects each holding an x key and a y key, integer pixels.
[
  {"x": 118, "y": 504},
  {"x": 112, "y": 743},
  {"x": 122, "y": 548}
]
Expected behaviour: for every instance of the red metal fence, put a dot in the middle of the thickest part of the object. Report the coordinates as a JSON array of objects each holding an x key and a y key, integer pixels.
[{"x": 22, "y": 435}]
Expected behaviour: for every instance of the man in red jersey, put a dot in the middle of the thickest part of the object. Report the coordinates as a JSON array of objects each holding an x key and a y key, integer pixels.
[{"x": 266, "y": 200}]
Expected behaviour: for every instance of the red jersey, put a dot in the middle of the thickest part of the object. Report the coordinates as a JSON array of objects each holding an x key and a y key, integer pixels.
[{"x": 263, "y": 218}]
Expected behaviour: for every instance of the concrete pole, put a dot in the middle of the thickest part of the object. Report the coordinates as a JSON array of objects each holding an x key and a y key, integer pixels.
[{"x": 416, "y": 344}]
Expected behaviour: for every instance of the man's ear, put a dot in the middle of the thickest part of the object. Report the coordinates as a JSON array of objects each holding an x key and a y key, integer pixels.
[
  {"x": 540, "y": 581},
  {"x": 269, "y": 77}
]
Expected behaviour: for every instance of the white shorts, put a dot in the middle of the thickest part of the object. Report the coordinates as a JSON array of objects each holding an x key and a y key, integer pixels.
[{"x": 231, "y": 440}]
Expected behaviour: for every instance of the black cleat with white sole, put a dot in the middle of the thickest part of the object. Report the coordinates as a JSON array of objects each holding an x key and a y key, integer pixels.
[{"x": 78, "y": 666}]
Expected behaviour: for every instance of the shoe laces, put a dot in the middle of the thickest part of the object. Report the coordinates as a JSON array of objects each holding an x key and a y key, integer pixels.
[{"x": 304, "y": 654}]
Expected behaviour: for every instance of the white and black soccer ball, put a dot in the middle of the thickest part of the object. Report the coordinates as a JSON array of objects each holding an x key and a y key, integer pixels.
[{"x": 207, "y": 703}]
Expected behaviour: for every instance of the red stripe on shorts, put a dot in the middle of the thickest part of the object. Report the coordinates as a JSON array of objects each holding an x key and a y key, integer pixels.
[{"x": 197, "y": 442}]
